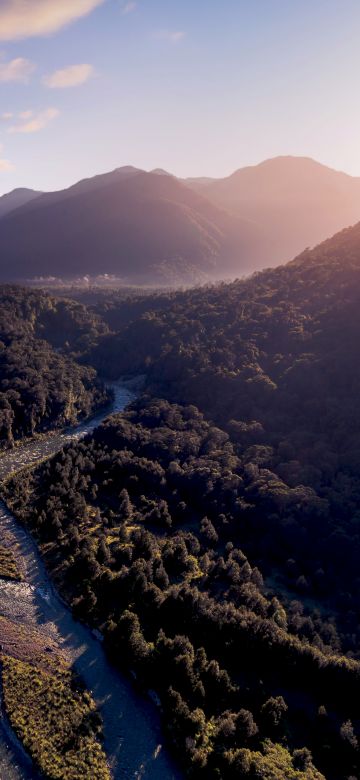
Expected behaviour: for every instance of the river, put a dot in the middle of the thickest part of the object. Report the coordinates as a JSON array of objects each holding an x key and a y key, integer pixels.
[{"x": 132, "y": 734}]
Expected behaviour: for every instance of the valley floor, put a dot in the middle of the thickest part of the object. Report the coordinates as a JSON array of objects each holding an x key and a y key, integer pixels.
[{"x": 132, "y": 736}]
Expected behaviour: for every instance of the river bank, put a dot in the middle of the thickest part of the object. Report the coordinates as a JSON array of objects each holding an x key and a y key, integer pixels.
[{"x": 132, "y": 733}]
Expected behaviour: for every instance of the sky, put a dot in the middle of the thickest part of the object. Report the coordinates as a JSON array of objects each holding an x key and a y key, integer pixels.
[{"x": 197, "y": 87}]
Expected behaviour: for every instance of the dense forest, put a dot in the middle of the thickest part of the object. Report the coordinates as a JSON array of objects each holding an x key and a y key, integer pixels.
[
  {"x": 41, "y": 386},
  {"x": 141, "y": 525},
  {"x": 273, "y": 362},
  {"x": 211, "y": 531}
]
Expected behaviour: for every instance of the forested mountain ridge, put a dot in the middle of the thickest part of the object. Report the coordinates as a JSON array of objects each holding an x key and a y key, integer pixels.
[
  {"x": 213, "y": 326},
  {"x": 273, "y": 361},
  {"x": 41, "y": 386},
  {"x": 63, "y": 322}
]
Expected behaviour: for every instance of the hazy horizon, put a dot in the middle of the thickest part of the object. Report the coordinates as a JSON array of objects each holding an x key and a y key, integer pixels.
[{"x": 96, "y": 84}]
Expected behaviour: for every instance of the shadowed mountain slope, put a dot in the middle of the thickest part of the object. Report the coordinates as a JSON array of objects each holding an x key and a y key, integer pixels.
[{"x": 140, "y": 226}]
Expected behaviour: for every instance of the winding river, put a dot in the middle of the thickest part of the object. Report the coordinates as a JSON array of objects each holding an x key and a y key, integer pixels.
[{"x": 132, "y": 733}]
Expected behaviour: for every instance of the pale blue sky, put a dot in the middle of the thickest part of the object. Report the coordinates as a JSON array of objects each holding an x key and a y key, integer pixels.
[{"x": 199, "y": 87}]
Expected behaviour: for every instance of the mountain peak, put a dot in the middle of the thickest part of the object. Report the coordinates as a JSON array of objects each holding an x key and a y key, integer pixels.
[
  {"x": 290, "y": 165},
  {"x": 160, "y": 172}
]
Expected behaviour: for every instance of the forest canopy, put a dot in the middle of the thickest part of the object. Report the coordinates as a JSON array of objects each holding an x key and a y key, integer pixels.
[
  {"x": 211, "y": 531},
  {"x": 41, "y": 384}
]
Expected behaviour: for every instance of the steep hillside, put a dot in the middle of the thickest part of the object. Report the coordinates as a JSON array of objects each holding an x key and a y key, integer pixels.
[{"x": 42, "y": 387}]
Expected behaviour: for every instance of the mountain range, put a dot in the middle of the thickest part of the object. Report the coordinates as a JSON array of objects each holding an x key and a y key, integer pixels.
[{"x": 153, "y": 228}]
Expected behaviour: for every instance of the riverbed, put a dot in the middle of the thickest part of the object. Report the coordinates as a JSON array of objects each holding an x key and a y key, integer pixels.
[{"x": 132, "y": 734}]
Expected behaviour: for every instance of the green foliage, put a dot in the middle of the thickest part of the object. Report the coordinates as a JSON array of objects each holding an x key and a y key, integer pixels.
[
  {"x": 41, "y": 387},
  {"x": 275, "y": 763},
  {"x": 142, "y": 524},
  {"x": 8, "y": 565},
  {"x": 272, "y": 360},
  {"x": 56, "y": 722},
  {"x": 213, "y": 536}
]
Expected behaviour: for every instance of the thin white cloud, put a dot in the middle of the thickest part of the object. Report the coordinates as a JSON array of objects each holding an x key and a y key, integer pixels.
[
  {"x": 73, "y": 76},
  {"x": 173, "y": 36},
  {"x": 18, "y": 69},
  {"x": 28, "y": 18},
  {"x": 6, "y": 116},
  {"x": 128, "y": 8},
  {"x": 32, "y": 123}
]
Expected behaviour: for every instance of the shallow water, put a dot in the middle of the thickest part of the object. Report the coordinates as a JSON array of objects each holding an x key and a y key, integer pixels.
[
  {"x": 33, "y": 451},
  {"x": 132, "y": 734}
]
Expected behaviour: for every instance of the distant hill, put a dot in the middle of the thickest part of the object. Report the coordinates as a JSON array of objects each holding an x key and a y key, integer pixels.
[
  {"x": 296, "y": 202},
  {"x": 13, "y": 200},
  {"x": 143, "y": 227}
]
